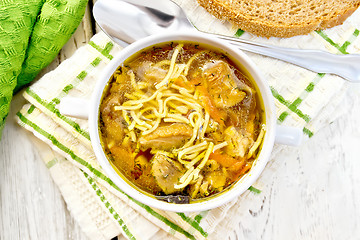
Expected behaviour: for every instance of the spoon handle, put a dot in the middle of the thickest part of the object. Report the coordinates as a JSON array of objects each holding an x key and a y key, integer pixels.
[{"x": 346, "y": 66}]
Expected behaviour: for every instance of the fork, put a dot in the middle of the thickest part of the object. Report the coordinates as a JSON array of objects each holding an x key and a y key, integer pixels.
[{"x": 129, "y": 20}]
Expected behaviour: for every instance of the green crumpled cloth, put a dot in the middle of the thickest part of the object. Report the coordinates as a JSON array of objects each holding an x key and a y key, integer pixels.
[{"x": 32, "y": 32}]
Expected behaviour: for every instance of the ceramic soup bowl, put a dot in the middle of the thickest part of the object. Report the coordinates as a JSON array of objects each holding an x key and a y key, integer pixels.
[{"x": 273, "y": 132}]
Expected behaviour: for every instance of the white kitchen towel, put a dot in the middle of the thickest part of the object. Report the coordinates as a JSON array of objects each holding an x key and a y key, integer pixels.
[{"x": 303, "y": 99}]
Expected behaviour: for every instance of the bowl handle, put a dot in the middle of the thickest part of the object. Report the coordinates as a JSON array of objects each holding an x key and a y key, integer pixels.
[
  {"x": 74, "y": 107},
  {"x": 291, "y": 136}
]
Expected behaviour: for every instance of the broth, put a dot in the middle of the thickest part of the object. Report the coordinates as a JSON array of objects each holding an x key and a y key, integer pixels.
[{"x": 181, "y": 119}]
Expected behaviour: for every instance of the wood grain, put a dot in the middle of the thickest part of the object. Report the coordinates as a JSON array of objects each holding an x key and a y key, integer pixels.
[{"x": 310, "y": 192}]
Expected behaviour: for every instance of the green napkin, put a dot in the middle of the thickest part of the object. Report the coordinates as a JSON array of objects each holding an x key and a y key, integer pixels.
[{"x": 32, "y": 32}]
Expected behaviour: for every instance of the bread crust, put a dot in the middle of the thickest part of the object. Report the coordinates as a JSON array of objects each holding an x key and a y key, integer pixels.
[{"x": 229, "y": 10}]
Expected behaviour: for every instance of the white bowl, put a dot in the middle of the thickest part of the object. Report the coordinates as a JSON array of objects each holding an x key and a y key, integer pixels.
[{"x": 241, "y": 185}]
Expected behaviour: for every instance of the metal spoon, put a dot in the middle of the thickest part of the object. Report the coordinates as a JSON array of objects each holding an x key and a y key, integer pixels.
[{"x": 130, "y": 20}]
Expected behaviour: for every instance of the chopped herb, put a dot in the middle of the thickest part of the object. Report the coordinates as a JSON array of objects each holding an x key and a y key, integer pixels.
[
  {"x": 239, "y": 32},
  {"x": 124, "y": 122},
  {"x": 155, "y": 49},
  {"x": 254, "y": 190}
]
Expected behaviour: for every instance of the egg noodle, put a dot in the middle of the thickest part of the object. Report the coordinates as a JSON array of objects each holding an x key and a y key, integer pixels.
[{"x": 172, "y": 103}]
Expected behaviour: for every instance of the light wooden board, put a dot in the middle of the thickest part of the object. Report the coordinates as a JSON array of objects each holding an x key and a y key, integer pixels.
[{"x": 314, "y": 190}]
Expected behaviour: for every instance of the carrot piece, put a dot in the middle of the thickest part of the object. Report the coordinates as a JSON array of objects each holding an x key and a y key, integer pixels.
[
  {"x": 242, "y": 168},
  {"x": 180, "y": 82},
  {"x": 223, "y": 159}
]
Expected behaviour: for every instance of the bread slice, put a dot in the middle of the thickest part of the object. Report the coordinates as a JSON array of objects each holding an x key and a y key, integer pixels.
[{"x": 281, "y": 18}]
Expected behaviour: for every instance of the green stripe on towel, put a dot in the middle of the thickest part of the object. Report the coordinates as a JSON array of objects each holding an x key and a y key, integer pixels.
[
  {"x": 62, "y": 147},
  {"x": 79, "y": 78},
  {"x": 68, "y": 88},
  {"x": 164, "y": 219},
  {"x": 332, "y": 43},
  {"x": 96, "y": 62},
  {"x": 74, "y": 83},
  {"x": 82, "y": 75},
  {"x": 344, "y": 46},
  {"x": 104, "y": 51},
  {"x": 51, "y": 107},
  {"x": 31, "y": 109},
  {"x": 200, "y": 216},
  {"x": 282, "y": 116},
  {"x": 193, "y": 223},
  {"x": 310, "y": 87},
  {"x": 352, "y": 38},
  {"x": 52, "y": 162},
  {"x": 292, "y": 107},
  {"x": 308, "y": 132},
  {"x": 356, "y": 33},
  {"x": 108, "y": 206},
  {"x": 101, "y": 175},
  {"x": 239, "y": 32}
]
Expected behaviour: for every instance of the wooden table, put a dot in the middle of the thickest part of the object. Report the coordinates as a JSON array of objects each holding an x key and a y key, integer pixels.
[{"x": 315, "y": 192}]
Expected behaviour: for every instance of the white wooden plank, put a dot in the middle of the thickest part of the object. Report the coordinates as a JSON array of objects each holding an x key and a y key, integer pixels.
[{"x": 311, "y": 192}]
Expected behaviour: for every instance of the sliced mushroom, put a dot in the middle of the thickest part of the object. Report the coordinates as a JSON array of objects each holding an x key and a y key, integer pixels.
[
  {"x": 222, "y": 85},
  {"x": 166, "y": 172},
  {"x": 150, "y": 73},
  {"x": 167, "y": 137},
  {"x": 213, "y": 181},
  {"x": 238, "y": 143},
  {"x": 112, "y": 120}
]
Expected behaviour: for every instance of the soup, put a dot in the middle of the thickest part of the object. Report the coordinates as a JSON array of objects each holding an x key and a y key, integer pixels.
[{"x": 181, "y": 121}]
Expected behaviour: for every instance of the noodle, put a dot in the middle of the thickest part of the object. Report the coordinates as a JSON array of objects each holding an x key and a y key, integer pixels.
[
  {"x": 171, "y": 69},
  {"x": 132, "y": 79},
  {"x": 257, "y": 143},
  {"x": 153, "y": 128},
  {"x": 206, "y": 122},
  {"x": 133, "y": 107},
  {"x": 191, "y": 60},
  {"x": 175, "y": 99},
  {"x": 192, "y": 149}
]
